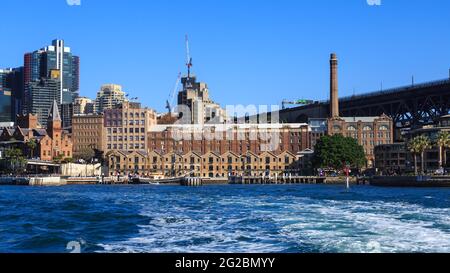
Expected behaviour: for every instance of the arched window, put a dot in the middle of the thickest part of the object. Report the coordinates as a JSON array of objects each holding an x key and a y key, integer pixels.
[
  {"x": 351, "y": 128},
  {"x": 367, "y": 128},
  {"x": 384, "y": 128},
  {"x": 337, "y": 128}
]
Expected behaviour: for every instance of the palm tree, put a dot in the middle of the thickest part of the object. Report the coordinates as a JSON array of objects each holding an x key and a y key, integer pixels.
[
  {"x": 32, "y": 146},
  {"x": 443, "y": 142},
  {"x": 418, "y": 146}
]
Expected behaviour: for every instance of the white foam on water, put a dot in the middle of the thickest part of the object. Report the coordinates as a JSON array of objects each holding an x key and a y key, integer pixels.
[
  {"x": 359, "y": 226},
  {"x": 251, "y": 225}
]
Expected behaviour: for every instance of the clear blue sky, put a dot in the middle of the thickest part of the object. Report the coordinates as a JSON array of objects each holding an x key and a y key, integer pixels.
[{"x": 248, "y": 51}]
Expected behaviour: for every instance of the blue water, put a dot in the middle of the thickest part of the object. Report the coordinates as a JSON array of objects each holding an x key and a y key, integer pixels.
[{"x": 294, "y": 219}]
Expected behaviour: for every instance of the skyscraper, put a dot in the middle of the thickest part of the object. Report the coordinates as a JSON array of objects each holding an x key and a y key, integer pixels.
[
  {"x": 11, "y": 93},
  {"x": 39, "y": 97},
  {"x": 57, "y": 56},
  {"x": 5, "y": 97}
]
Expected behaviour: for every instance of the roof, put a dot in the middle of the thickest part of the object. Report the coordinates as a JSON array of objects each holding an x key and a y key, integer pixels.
[
  {"x": 360, "y": 119},
  {"x": 143, "y": 153},
  {"x": 54, "y": 112},
  {"x": 10, "y": 131},
  {"x": 40, "y": 132},
  {"x": 225, "y": 127}
]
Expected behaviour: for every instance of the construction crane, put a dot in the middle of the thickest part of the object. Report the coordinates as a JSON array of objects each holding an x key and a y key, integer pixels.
[
  {"x": 297, "y": 102},
  {"x": 169, "y": 102},
  {"x": 188, "y": 58}
]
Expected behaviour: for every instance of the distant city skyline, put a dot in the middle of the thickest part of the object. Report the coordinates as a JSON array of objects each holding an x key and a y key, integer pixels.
[{"x": 248, "y": 52}]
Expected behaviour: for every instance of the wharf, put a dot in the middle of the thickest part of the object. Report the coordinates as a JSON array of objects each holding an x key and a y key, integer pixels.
[
  {"x": 411, "y": 181},
  {"x": 248, "y": 180}
]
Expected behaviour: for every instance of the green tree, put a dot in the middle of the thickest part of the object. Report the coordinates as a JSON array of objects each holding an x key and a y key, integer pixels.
[
  {"x": 32, "y": 144},
  {"x": 337, "y": 151},
  {"x": 15, "y": 158},
  {"x": 87, "y": 154},
  {"x": 418, "y": 146},
  {"x": 58, "y": 159},
  {"x": 443, "y": 142}
]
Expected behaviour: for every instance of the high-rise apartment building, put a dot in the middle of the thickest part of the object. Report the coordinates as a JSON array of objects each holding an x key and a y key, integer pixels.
[
  {"x": 127, "y": 126},
  {"x": 110, "y": 96}
]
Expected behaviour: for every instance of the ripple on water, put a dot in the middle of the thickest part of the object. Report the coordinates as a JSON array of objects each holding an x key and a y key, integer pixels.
[{"x": 264, "y": 219}]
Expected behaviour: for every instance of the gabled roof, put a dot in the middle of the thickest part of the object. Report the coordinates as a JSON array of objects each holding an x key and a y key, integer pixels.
[
  {"x": 268, "y": 152},
  {"x": 192, "y": 153},
  {"x": 251, "y": 153},
  {"x": 9, "y": 131},
  {"x": 114, "y": 152},
  {"x": 156, "y": 152},
  {"x": 20, "y": 131},
  {"x": 232, "y": 153},
  {"x": 54, "y": 112},
  {"x": 40, "y": 132},
  {"x": 142, "y": 153},
  {"x": 173, "y": 153},
  {"x": 289, "y": 153},
  {"x": 211, "y": 153}
]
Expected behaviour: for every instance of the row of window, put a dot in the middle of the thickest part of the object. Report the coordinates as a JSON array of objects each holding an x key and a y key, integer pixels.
[
  {"x": 136, "y": 146},
  {"x": 217, "y": 148},
  {"x": 110, "y": 123},
  {"x": 126, "y": 115},
  {"x": 89, "y": 133},
  {"x": 55, "y": 154},
  {"x": 125, "y": 138},
  {"x": 85, "y": 127},
  {"x": 365, "y": 128},
  {"x": 125, "y": 130}
]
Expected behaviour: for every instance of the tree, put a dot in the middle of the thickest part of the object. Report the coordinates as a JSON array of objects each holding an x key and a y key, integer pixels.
[
  {"x": 87, "y": 154},
  {"x": 418, "y": 146},
  {"x": 32, "y": 144},
  {"x": 338, "y": 151},
  {"x": 15, "y": 158},
  {"x": 443, "y": 142}
]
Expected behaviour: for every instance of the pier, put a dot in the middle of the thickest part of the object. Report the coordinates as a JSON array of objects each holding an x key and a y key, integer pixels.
[
  {"x": 249, "y": 180},
  {"x": 411, "y": 181}
]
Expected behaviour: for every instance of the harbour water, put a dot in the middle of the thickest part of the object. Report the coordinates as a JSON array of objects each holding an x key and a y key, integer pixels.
[{"x": 292, "y": 219}]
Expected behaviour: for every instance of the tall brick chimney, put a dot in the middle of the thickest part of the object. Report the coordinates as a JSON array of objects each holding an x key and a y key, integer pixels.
[{"x": 334, "y": 94}]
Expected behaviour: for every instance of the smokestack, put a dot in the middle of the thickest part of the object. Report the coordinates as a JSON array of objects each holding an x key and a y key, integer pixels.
[{"x": 334, "y": 94}]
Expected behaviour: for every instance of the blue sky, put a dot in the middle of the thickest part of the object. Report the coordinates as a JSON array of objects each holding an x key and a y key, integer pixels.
[{"x": 248, "y": 51}]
